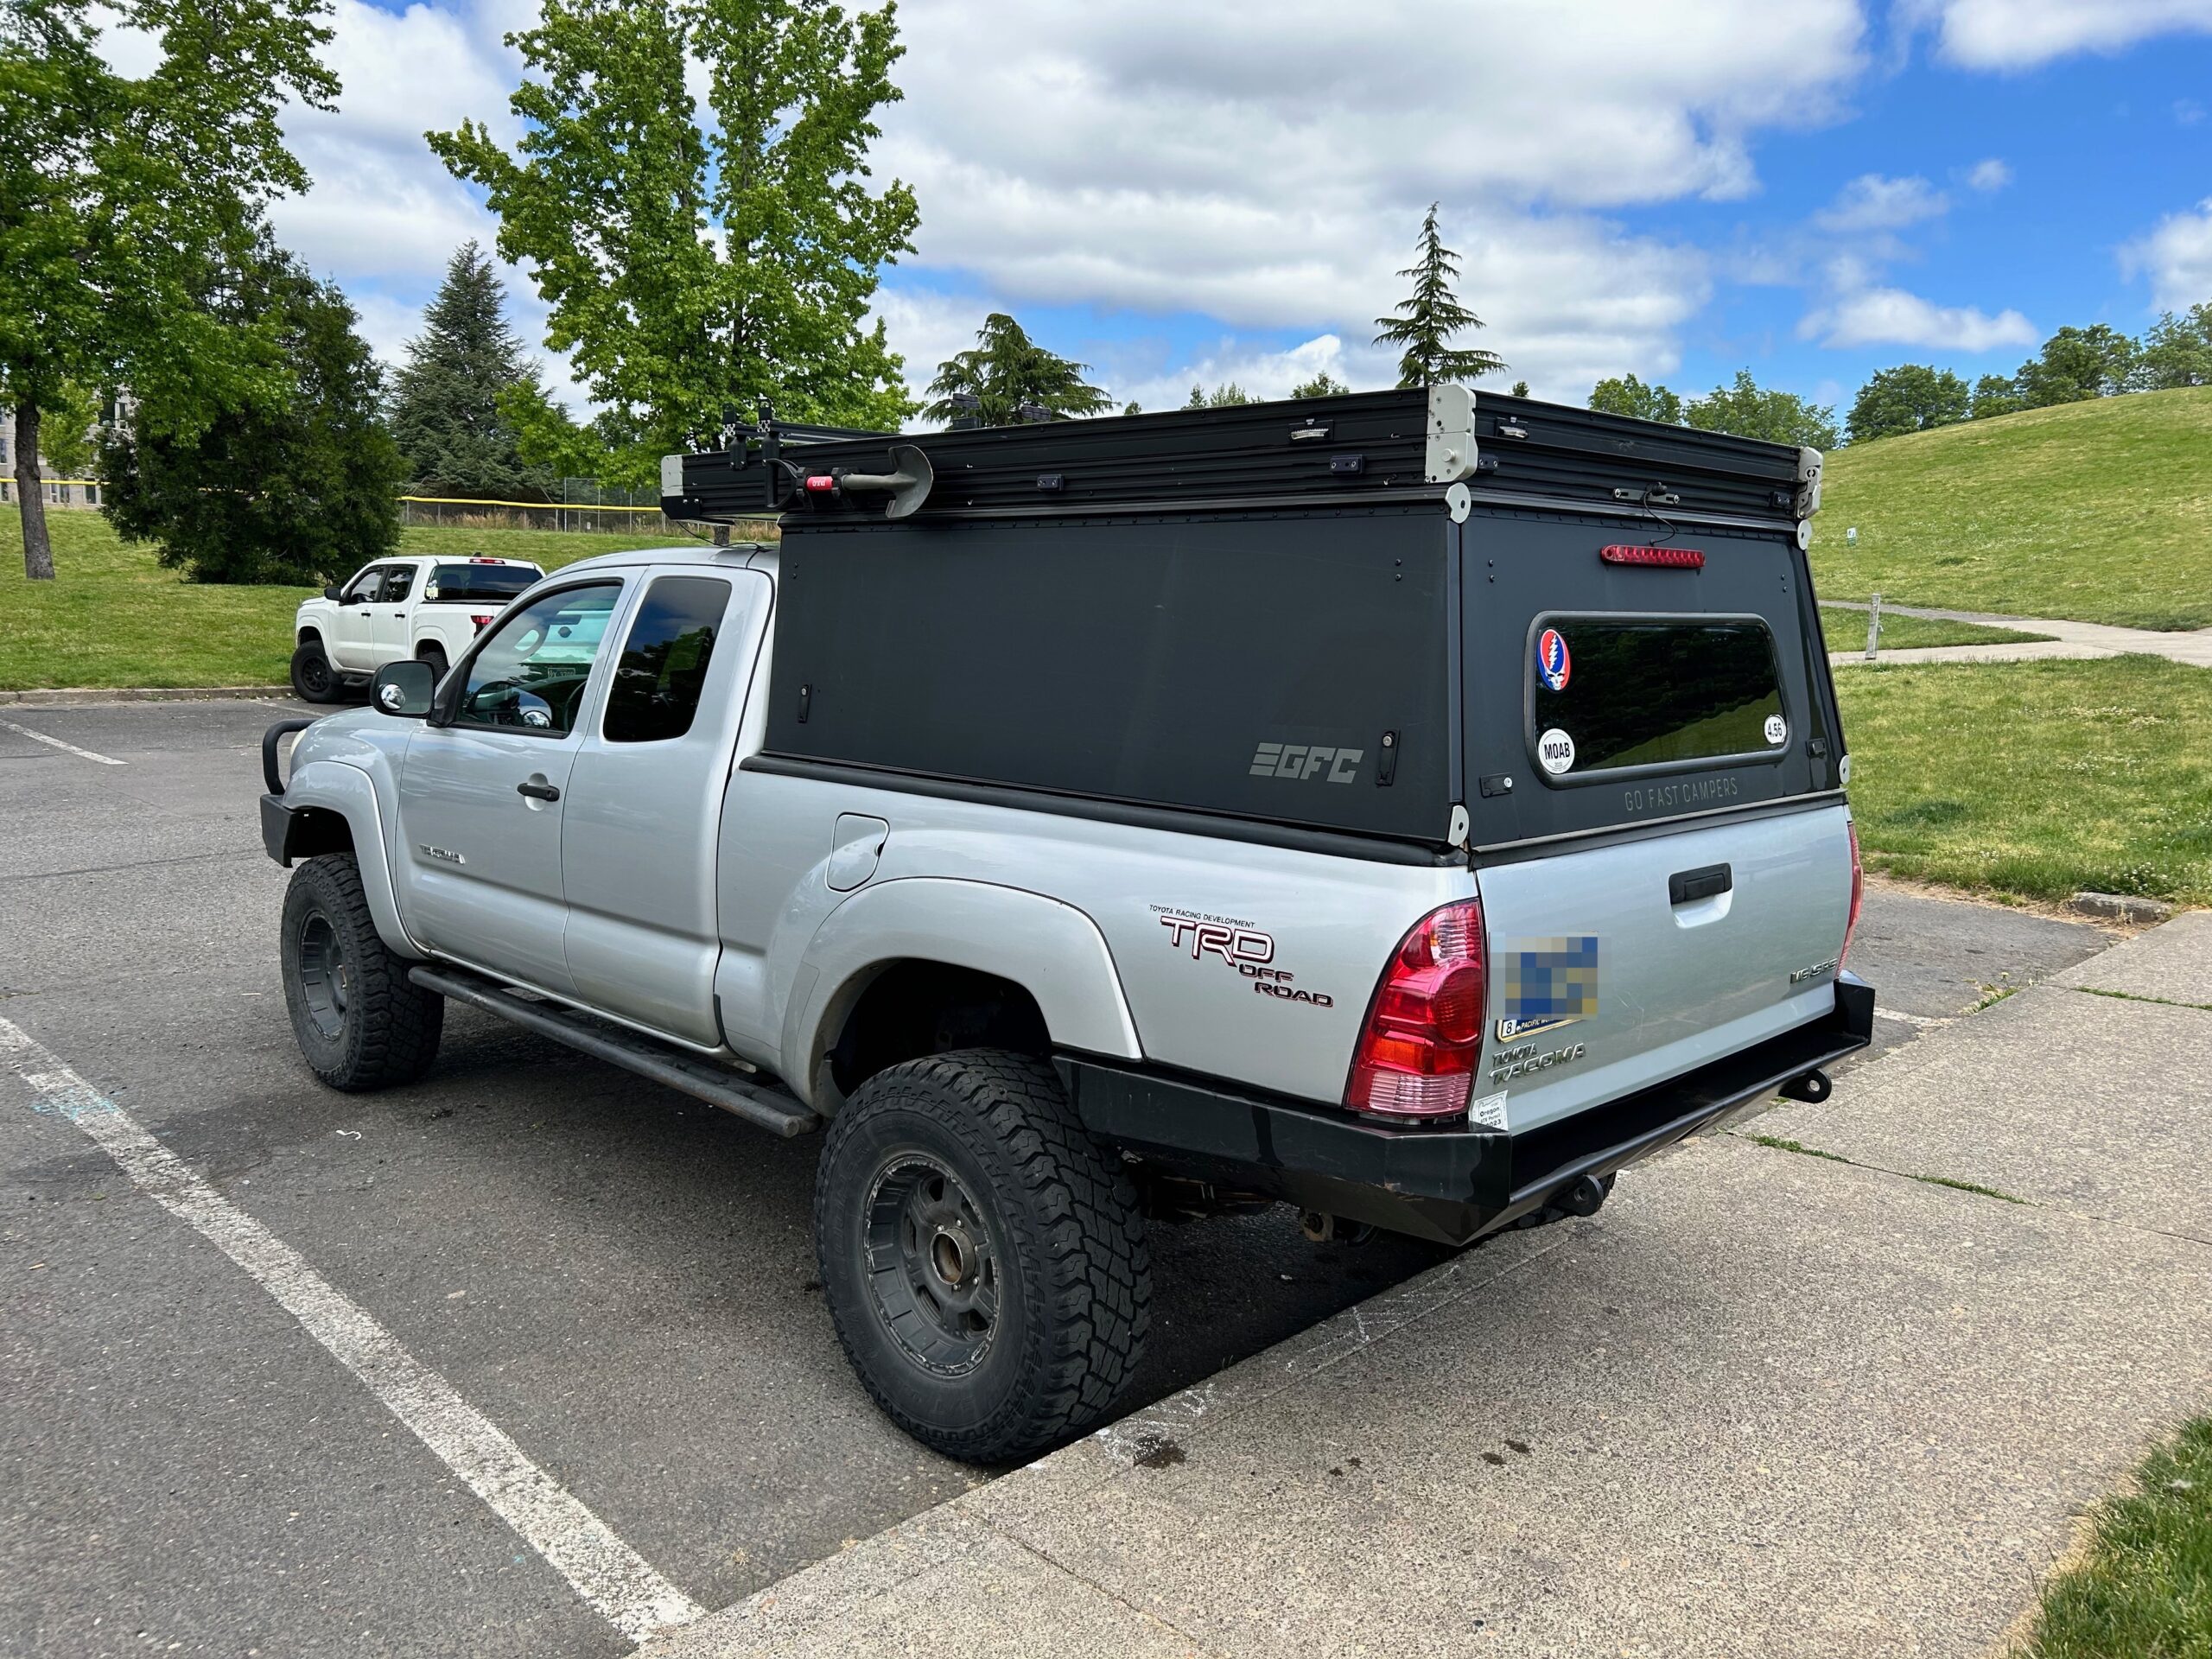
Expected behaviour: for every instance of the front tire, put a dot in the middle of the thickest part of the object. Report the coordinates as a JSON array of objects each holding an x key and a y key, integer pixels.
[
  {"x": 359, "y": 1022},
  {"x": 313, "y": 680},
  {"x": 984, "y": 1261}
]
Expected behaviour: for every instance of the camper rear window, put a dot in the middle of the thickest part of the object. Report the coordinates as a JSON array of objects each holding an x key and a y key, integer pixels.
[{"x": 1611, "y": 694}]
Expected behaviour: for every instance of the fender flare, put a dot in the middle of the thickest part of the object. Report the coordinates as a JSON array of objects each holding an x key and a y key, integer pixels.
[
  {"x": 333, "y": 786},
  {"x": 1052, "y": 949}
]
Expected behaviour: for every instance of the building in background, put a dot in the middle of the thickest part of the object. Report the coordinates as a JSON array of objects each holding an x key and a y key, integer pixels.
[{"x": 60, "y": 492}]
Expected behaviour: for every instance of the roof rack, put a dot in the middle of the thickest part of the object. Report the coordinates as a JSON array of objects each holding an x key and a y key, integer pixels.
[{"x": 1361, "y": 448}]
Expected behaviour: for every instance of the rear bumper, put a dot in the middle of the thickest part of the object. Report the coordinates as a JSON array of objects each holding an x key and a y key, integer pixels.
[{"x": 1453, "y": 1186}]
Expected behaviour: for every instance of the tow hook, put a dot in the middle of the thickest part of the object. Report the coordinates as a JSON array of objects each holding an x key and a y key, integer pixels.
[{"x": 1813, "y": 1088}]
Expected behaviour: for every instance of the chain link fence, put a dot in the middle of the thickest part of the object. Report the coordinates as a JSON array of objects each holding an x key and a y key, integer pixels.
[{"x": 584, "y": 505}]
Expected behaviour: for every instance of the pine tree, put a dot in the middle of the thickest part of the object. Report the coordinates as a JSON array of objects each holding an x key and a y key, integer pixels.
[
  {"x": 1431, "y": 316},
  {"x": 447, "y": 405}
]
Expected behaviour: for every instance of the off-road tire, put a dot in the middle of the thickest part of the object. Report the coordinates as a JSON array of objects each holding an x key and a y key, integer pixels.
[
  {"x": 379, "y": 1029},
  {"x": 436, "y": 658},
  {"x": 313, "y": 680},
  {"x": 1066, "y": 1229}
]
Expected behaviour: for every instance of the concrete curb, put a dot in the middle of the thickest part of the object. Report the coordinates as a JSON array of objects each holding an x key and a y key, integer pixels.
[{"x": 67, "y": 694}]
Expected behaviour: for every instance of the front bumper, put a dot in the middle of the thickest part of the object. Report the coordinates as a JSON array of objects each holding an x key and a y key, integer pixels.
[{"x": 1450, "y": 1185}]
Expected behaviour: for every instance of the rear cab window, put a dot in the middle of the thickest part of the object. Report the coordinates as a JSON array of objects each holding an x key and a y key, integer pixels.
[{"x": 467, "y": 584}]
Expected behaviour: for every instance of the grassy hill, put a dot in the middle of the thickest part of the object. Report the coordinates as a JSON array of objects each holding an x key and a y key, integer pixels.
[
  {"x": 2098, "y": 512},
  {"x": 112, "y": 616}
]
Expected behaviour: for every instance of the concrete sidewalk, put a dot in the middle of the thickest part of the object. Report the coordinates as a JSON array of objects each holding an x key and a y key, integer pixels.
[
  {"x": 2068, "y": 639},
  {"x": 1768, "y": 1402}
]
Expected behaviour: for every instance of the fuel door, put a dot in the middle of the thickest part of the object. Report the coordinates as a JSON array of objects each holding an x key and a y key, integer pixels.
[{"x": 855, "y": 848}]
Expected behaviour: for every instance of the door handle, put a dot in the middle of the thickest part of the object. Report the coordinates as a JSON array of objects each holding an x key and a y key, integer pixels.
[
  {"x": 538, "y": 789},
  {"x": 1687, "y": 887}
]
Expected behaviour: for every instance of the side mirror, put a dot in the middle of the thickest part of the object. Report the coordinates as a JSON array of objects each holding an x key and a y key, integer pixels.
[
  {"x": 403, "y": 690},
  {"x": 332, "y": 592}
]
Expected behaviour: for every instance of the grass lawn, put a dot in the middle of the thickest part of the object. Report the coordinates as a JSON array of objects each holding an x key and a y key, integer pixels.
[
  {"x": 1847, "y": 631},
  {"x": 2035, "y": 778},
  {"x": 2099, "y": 511},
  {"x": 112, "y": 616},
  {"x": 2142, "y": 1590}
]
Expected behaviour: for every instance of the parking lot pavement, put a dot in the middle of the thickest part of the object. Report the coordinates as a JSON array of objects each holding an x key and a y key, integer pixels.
[{"x": 615, "y": 1279}]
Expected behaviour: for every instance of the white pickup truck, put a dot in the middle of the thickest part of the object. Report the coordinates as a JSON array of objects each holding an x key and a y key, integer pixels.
[{"x": 423, "y": 608}]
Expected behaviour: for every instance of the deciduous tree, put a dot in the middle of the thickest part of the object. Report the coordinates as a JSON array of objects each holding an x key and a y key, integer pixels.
[
  {"x": 1428, "y": 319},
  {"x": 1006, "y": 369},
  {"x": 1227, "y": 395},
  {"x": 296, "y": 489},
  {"x": 1323, "y": 384},
  {"x": 701, "y": 262},
  {"x": 2076, "y": 364},
  {"x": 1995, "y": 394},
  {"x": 1626, "y": 395},
  {"x": 2177, "y": 352},
  {"x": 120, "y": 196},
  {"x": 1749, "y": 411},
  {"x": 1911, "y": 397}
]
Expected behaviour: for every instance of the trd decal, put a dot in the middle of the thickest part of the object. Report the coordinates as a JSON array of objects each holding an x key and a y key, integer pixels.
[
  {"x": 1246, "y": 948},
  {"x": 1299, "y": 762}
]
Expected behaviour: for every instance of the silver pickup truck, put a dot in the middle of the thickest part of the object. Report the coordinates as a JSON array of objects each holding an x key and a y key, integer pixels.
[{"x": 1409, "y": 809}]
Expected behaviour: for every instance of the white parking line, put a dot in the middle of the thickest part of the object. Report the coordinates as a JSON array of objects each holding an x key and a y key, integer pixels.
[
  {"x": 614, "y": 1579},
  {"x": 56, "y": 743}
]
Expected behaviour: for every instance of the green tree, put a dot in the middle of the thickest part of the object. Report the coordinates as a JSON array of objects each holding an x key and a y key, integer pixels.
[
  {"x": 448, "y": 413},
  {"x": 297, "y": 489},
  {"x": 1224, "y": 396},
  {"x": 1006, "y": 369},
  {"x": 1995, "y": 394},
  {"x": 1323, "y": 384},
  {"x": 1520, "y": 388},
  {"x": 69, "y": 429},
  {"x": 1428, "y": 319},
  {"x": 1911, "y": 397},
  {"x": 2177, "y": 352},
  {"x": 119, "y": 194},
  {"x": 1626, "y": 395},
  {"x": 698, "y": 267},
  {"x": 2076, "y": 364},
  {"x": 1751, "y": 411}
]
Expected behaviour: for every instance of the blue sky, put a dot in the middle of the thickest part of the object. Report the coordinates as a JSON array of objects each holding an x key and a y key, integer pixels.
[{"x": 1813, "y": 189}]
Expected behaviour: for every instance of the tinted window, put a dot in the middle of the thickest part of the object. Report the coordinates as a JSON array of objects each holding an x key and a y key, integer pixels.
[
  {"x": 531, "y": 673},
  {"x": 398, "y": 579},
  {"x": 663, "y": 664},
  {"x": 1614, "y": 693},
  {"x": 366, "y": 586},
  {"x": 478, "y": 584}
]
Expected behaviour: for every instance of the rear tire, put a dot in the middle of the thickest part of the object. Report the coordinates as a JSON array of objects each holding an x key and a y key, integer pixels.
[
  {"x": 313, "y": 680},
  {"x": 359, "y": 1022},
  {"x": 984, "y": 1261},
  {"x": 435, "y": 657}
]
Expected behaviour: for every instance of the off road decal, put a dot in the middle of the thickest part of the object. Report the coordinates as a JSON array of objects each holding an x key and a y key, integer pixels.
[{"x": 1240, "y": 945}]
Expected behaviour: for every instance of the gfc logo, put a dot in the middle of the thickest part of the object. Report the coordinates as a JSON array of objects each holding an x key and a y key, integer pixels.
[{"x": 1554, "y": 665}]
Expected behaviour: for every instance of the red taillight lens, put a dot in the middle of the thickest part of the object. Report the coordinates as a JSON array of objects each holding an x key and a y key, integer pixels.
[
  {"x": 1423, "y": 1038},
  {"x": 481, "y": 622},
  {"x": 1663, "y": 558},
  {"x": 1858, "y": 895}
]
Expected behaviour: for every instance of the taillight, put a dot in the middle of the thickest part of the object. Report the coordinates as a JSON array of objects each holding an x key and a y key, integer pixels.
[
  {"x": 1661, "y": 559},
  {"x": 481, "y": 622},
  {"x": 1423, "y": 1038},
  {"x": 1857, "y": 895}
]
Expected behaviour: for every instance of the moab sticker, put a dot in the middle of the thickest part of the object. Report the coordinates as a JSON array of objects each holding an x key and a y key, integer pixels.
[{"x": 1555, "y": 749}]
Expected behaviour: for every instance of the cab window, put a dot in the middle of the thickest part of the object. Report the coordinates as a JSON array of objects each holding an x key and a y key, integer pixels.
[
  {"x": 365, "y": 587},
  {"x": 662, "y": 668},
  {"x": 531, "y": 674},
  {"x": 398, "y": 579}
]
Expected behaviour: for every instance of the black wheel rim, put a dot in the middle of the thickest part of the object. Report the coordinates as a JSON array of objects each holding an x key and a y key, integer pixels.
[
  {"x": 314, "y": 675},
  {"x": 325, "y": 974},
  {"x": 932, "y": 1272}
]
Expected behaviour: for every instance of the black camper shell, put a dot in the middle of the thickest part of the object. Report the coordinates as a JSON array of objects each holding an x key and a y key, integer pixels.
[{"x": 1321, "y": 620}]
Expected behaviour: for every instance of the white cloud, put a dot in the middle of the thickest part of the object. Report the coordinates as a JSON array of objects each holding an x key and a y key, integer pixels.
[
  {"x": 1890, "y": 316},
  {"x": 2177, "y": 255},
  {"x": 1989, "y": 176},
  {"x": 1871, "y": 202},
  {"x": 2021, "y": 34}
]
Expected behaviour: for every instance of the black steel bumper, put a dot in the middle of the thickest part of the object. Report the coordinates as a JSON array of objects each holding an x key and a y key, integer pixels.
[{"x": 1451, "y": 1184}]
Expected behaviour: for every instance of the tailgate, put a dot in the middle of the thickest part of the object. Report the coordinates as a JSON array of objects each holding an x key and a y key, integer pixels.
[{"x": 1663, "y": 856}]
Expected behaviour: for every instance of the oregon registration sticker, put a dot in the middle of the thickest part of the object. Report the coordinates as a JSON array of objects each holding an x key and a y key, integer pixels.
[{"x": 1554, "y": 665}]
